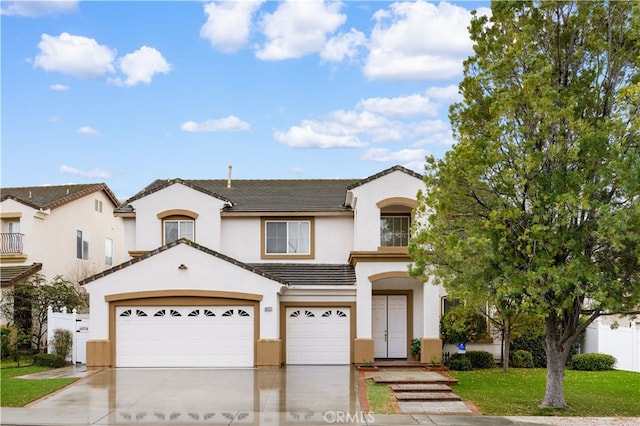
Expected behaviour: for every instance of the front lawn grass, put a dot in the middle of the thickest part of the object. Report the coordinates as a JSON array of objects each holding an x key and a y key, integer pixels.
[
  {"x": 380, "y": 398},
  {"x": 19, "y": 392},
  {"x": 520, "y": 391}
]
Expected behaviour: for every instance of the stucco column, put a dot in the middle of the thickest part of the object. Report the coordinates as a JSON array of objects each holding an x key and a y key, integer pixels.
[
  {"x": 363, "y": 344},
  {"x": 431, "y": 344}
]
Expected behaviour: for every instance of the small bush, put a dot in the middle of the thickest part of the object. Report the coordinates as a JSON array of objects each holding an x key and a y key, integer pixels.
[
  {"x": 593, "y": 362},
  {"x": 521, "y": 359},
  {"x": 62, "y": 342},
  {"x": 5, "y": 342},
  {"x": 459, "y": 362},
  {"x": 49, "y": 360},
  {"x": 481, "y": 359}
]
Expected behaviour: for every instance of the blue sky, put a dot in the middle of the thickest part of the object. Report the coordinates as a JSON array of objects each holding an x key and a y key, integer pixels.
[{"x": 127, "y": 92}]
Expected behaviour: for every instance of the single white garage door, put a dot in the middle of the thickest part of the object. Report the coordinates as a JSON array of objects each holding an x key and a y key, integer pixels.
[
  {"x": 184, "y": 336},
  {"x": 318, "y": 335}
]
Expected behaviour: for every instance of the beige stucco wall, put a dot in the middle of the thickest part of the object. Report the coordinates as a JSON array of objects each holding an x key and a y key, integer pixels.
[{"x": 148, "y": 227}]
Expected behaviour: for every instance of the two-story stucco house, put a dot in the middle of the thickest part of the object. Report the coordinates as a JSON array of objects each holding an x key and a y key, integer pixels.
[
  {"x": 67, "y": 230},
  {"x": 250, "y": 273}
]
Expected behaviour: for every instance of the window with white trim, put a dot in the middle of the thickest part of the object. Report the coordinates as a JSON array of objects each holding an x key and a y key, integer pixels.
[
  {"x": 82, "y": 245},
  {"x": 394, "y": 230},
  {"x": 108, "y": 252},
  {"x": 287, "y": 237},
  {"x": 178, "y": 228}
]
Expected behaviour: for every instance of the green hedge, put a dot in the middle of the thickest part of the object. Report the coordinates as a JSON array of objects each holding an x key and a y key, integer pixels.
[
  {"x": 459, "y": 362},
  {"x": 521, "y": 359},
  {"x": 593, "y": 362},
  {"x": 535, "y": 345},
  {"x": 49, "y": 360},
  {"x": 481, "y": 359}
]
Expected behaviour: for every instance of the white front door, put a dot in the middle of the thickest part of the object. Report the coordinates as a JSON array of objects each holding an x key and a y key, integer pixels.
[{"x": 389, "y": 326}]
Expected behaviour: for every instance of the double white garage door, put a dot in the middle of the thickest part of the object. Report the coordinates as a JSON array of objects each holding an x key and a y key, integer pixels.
[
  {"x": 223, "y": 336},
  {"x": 184, "y": 336}
]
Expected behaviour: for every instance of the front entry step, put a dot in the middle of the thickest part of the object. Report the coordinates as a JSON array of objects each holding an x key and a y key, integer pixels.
[
  {"x": 426, "y": 396},
  {"x": 420, "y": 387}
]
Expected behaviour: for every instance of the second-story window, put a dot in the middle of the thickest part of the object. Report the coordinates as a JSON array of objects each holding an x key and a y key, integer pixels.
[
  {"x": 292, "y": 238},
  {"x": 394, "y": 230},
  {"x": 178, "y": 228},
  {"x": 82, "y": 245}
]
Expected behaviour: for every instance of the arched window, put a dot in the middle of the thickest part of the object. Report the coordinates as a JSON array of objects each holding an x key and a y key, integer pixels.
[{"x": 178, "y": 224}]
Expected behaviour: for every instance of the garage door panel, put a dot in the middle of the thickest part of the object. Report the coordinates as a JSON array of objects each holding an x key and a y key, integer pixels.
[
  {"x": 187, "y": 336},
  {"x": 318, "y": 335}
]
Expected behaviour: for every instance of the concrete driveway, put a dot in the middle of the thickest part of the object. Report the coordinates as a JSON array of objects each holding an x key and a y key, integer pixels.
[{"x": 295, "y": 394}]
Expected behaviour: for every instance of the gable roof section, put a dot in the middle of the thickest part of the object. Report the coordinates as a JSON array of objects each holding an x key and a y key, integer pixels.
[
  {"x": 384, "y": 173},
  {"x": 310, "y": 274},
  {"x": 12, "y": 275},
  {"x": 189, "y": 243},
  {"x": 275, "y": 195},
  {"x": 50, "y": 197}
]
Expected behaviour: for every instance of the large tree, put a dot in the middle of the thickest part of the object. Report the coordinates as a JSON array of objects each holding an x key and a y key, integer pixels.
[{"x": 536, "y": 208}]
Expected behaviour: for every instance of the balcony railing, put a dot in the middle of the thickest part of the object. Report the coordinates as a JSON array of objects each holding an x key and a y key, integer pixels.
[{"x": 10, "y": 243}]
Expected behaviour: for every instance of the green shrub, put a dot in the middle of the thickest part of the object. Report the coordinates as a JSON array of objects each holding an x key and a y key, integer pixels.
[
  {"x": 521, "y": 359},
  {"x": 481, "y": 359},
  {"x": 5, "y": 342},
  {"x": 49, "y": 360},
  {"x": 459, "y": 362},
  {"x": 416, "y": 345},
  {"x": 62, "y": 342},
  {"x": 535, "y": 345},
  {"x": 593, "y": 362}
]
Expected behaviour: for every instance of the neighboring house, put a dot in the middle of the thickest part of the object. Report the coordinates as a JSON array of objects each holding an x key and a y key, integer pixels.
[
  {"x": 67, "y": 230},
  {"x": 250, "y": 273}
]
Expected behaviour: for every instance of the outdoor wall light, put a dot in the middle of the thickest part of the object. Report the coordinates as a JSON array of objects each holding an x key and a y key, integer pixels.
[{"x": 182, "y": 267}]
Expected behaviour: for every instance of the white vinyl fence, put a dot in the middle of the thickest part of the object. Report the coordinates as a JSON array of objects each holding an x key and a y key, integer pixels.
[
  {"x": 77, "y": 324},
  {"x": 622, "y": 342}
]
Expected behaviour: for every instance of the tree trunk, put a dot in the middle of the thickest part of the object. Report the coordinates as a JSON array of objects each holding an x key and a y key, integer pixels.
[
  {"x": 557, "y": 348},
  {"x": 506, "y": 342},
  {"x": 554, "y": 390}
]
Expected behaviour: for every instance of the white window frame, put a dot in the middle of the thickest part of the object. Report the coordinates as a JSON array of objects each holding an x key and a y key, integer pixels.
[
  {"x": 293, "y": 247},
  {"x": 181, "y": 233},
  {"x": 108, "y": 252},
  {"x": 394, "y": 237},
  {"x": 82, "y": 245}
]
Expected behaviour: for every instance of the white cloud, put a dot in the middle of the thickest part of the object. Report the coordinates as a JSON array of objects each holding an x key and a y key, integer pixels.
[
  {"x": 59, "y": 87},
  {"x": 228, "y": 24},
  {"x": 403, "y": 106},
  {"x": 343, "y": 45},
  {"x": 419, "y": 41},
  {"x": 34, "y": 9},
  {"x": 410, "y": 119},
  {"x": 299, "y": 28},
  {"x": 230, "y": 123},
  {"x": 311, "y": 134},
  {"x": 386, "y": 155},
  {"x": 447, "y": 94},
  {"x": 87, "y": 130},
  {"x": 92, "y": 173},
  {"x": 75, "y": 55},
  {"x": 141, "y": 65}
]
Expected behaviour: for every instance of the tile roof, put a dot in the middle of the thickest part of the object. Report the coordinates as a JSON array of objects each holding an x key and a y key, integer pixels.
[
  {"x": 310, "y": 274},
  {"x": 286, "y": 195},
  {"x": 52, "y": 196},
  {"x": 11, "y": 275},
  {"x": 189, "y": 243},
  {"x": 272, "y": 195}
]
